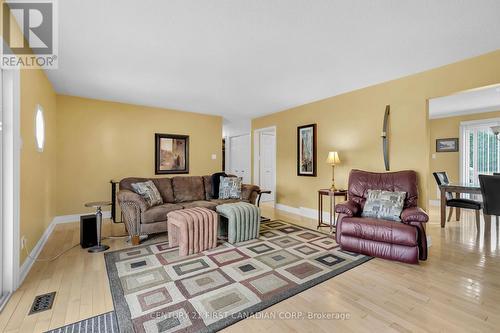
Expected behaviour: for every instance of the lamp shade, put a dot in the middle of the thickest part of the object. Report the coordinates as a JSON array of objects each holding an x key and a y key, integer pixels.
[{"x": 333, "y": 158}]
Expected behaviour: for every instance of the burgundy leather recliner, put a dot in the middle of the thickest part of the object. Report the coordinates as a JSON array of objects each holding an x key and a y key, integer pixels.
[{"x": 403, "y": 241}]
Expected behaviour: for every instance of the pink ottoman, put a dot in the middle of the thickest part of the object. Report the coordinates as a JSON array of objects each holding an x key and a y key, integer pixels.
[{"x": 194, "y": 230}]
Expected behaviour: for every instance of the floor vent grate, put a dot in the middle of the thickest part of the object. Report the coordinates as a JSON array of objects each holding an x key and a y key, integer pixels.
[{"x": 42, "y": 302}]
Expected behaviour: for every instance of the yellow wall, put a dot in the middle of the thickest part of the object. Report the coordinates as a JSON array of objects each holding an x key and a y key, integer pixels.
[
  {"x": 449, "y": 162},
  {"x": 38, "y": 169},
  {"x": 351, "y": 123},
  {"x": 99, "y": 141}
]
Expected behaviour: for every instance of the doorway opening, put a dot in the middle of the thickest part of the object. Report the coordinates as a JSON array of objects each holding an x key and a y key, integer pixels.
[{"x": 264, "y": 169}]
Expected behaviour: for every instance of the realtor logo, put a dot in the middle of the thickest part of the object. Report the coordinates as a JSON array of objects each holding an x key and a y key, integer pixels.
[{"x": 29, "y": 34}]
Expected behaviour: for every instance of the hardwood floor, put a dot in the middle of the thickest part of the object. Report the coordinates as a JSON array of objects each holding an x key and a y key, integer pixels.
[{"x": 456, "y": 290}]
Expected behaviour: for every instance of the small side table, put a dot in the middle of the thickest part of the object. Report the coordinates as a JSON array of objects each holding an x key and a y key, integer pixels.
[
  {"x": 97, "y": 205},
  {"x": 331, "y": 194}
]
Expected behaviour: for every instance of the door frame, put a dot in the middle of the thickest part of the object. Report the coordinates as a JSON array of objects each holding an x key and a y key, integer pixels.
[
  {"x": 228, "y": 153},
  {"x": 256, "y": 156},
  {"x": 11, "y": 163},
  {"x": 463, "y": 127}
]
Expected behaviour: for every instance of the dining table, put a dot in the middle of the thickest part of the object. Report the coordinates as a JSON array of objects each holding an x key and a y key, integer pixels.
[{"x": 458, "y": 189}]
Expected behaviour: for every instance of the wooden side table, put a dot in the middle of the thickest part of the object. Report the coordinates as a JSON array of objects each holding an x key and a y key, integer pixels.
[{"x": 331, "y": 194}]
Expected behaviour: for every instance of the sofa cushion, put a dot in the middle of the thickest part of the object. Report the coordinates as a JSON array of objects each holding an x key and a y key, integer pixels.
[
  {"x": 188, "y": 188},
  {"x": 149, "y": 192},
  {"x": 379, "y": 230},
  {"x": 158, "y": 213},
  {"x": 200, "y": 203},
  {"x": 207, "y": 184},
  {"x": 126, "y": 183},
  {"x": 164, "y": 186}
]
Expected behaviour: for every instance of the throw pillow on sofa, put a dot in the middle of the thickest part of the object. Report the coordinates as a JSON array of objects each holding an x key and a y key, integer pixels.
[
  {"x": 216, "y": 184},
  {"x": 149, "y": 192},
  {"x": 230, "y": 187},
  {"x": 384, "y": 205}
]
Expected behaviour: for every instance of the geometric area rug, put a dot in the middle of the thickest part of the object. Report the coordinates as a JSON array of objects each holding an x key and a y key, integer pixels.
[
  {"x": 103, "y": 323},
  {"x": 156, "y": 290}
]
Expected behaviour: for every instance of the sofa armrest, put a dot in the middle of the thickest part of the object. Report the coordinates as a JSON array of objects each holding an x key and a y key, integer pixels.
[
  {"x": 348, "y": 208},
  {"x": 249, "y": 192},
  {"x": 414, "y": 214},
  {"x": 129, "y": 196}
]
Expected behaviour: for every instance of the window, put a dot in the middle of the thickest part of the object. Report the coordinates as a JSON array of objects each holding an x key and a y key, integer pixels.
[
  {"x": 39, "y": 128},
  {"x": 480, "y": 150}
]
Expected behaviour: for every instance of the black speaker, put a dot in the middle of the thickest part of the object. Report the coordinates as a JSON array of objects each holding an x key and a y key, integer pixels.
[{"x": 88, "y": 231}]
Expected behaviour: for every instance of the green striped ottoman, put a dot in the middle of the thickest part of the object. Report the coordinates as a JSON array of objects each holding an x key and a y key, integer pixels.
[{"x": 243, "y": 221}]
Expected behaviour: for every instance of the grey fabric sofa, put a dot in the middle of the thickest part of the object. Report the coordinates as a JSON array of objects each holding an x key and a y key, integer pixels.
[{"x": 177, "y": 193}]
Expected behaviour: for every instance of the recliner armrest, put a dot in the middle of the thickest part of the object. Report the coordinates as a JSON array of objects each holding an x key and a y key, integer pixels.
[
  {"x": 414, "y": 214},
  {"x": 349, "y": 208}
]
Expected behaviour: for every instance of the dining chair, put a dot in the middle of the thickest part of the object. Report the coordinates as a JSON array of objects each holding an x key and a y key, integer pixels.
[
  {"x": 490, "y": 189},
  {"x": 457, "y": 203}
]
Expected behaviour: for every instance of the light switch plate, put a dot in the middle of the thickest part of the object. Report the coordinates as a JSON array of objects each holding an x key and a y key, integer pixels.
[{"x": 214, "y": 157}]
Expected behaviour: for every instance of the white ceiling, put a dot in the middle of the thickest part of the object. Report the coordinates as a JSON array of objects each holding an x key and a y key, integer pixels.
[
  {"x": 468, "y": 102},
  {"x": 245, "y": 58}
]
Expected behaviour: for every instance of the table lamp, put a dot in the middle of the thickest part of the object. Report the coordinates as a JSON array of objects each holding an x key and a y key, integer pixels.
[{"x": 333, "y": 159}]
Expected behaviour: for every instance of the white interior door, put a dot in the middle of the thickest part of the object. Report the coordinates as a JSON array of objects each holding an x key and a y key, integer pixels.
[
  {"x": 239, "y": 157},
  {"x": 267, "y": 164}
]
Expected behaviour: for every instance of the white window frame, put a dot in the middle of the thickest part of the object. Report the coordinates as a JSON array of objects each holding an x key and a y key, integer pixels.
[{"x": 463, "y": 127}]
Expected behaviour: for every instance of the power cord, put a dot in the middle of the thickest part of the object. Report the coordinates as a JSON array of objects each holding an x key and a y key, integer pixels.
[
  {"x": 65, "y": 251},
  {"x": 116, "y": 237},
  {"x": 49, "y": 259}
]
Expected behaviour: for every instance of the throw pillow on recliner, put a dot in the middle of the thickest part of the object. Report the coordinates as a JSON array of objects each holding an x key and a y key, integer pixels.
[{"x": 384, "y": 205}]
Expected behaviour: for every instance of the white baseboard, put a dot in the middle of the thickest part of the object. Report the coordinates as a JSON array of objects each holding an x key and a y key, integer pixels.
[
  {"x": 35, "y": 252},
  {"x": 28, "y": 262},
  {"x": 286, "y": 208},
  {"x": 106, "y": 214},
  {"x": 303, "y": 211}
]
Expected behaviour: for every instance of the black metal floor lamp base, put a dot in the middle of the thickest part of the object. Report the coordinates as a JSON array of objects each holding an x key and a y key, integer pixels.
[{"x": 98, "y": 248}]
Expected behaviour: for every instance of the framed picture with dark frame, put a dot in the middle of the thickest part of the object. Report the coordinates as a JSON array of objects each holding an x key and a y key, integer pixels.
[
  {"x": 447, "y": 145},
  {"x": 306, "y": 150},
  {"x": 171, "y": 154}
]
